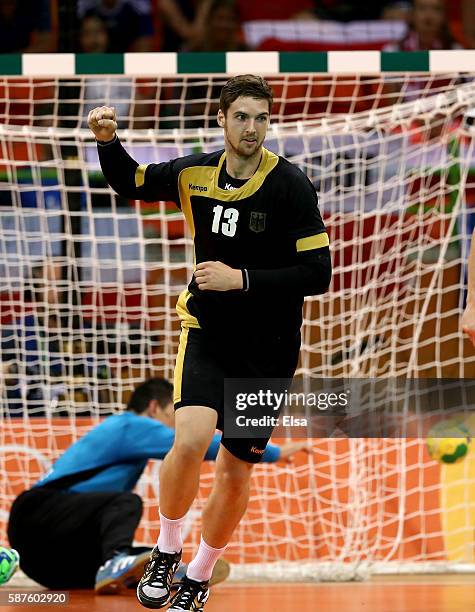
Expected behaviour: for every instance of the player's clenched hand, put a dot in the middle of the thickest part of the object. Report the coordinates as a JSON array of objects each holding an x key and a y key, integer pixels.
[
  {"x": 216, "y": 276},
  {"x": 468, "y": 322},
  {"x": 103, "y": 122}
]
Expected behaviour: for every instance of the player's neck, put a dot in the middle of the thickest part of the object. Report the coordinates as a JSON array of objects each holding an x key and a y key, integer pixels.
[{"x": 240, "y": 167}]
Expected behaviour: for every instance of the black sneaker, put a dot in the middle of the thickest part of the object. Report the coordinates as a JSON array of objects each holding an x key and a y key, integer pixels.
[
  {"x": 191, "y": 595},
  {"x": 153, "y": 590}
]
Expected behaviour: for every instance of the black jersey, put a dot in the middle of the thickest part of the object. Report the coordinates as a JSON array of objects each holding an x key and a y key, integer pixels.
[{"x": 270, "y": 228}]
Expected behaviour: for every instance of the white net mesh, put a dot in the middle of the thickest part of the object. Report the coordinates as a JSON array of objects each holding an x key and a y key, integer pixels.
[
  {"x": 192, "y": 101},
  {"x": 89, "y": 282}
]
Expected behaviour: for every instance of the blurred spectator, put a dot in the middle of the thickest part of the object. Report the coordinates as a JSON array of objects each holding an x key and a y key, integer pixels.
[
  {"x": 397, "y": 11},
  {"x": 183, "y": 23},
  {"x": 429, "y": 28},
  {"x": 129, "y": 22},
  {"x": 222, "y": 29},
  {"x": 93, "y": 34},
  {"x": 250, "y": 10},
  {"x": 221, "y": 33},
  {"x": 94, "y": 38},
  {"x": 355, "y": 10},
  {"x": 25, "y": 26}
]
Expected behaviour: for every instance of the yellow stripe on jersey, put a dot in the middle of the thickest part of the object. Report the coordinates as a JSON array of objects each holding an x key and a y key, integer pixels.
[
  {"x": 180, "y": 358},
  {"x": 268, "y": 162},
  {"x": 312, "y": 242},
  {"x": 202, "y": 181},
  {"x": 194, "y": 181},
  {"x": 140, "y": 175}
]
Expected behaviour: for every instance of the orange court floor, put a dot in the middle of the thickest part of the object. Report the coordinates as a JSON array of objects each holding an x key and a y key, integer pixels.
[{"x": 389, "y": 594}]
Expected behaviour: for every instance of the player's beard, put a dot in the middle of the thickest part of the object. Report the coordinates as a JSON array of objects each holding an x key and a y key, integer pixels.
[{"x": 243, "y": 149}]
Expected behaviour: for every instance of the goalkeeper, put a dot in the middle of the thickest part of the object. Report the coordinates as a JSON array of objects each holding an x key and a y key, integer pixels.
[
  {"x": 83, "y": 509},
  {"x": 260, "y": 247}
]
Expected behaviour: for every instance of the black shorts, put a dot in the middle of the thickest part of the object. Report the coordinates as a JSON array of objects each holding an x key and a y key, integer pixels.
[{"x": 203, "y": 363}]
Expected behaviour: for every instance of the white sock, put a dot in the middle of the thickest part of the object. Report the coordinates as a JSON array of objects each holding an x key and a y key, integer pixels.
[
  {"x": 201, "y": 567},
  {"x": 169, "y": 540}
]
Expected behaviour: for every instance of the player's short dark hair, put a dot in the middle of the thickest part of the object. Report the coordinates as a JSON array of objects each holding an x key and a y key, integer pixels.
[
  {"x": 152, "y": 389},
  {"x": 248, "y": 85}
]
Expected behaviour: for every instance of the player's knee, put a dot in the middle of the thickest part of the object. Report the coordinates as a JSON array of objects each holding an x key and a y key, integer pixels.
[
  {"x": 190, "y": 449},
  {"x": 234, "y": 481}
]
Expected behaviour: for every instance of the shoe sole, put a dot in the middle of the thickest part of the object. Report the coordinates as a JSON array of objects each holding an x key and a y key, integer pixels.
[
  {"x": 151, "y": 603},
  {"x": 154, "y": 604},
  {"x": 112, "y": 586}
]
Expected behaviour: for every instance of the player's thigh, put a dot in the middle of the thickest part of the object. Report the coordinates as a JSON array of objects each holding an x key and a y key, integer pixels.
[
  {"x": 271, "y": 366},
  {"x": 198, "y": 391},
  {"x": 194, "y": 429},
  {"x": 271, "y": 358},
  {"x": 199, "y": 373}
]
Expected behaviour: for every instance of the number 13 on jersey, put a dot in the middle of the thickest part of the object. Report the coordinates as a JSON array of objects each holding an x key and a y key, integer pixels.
[{"x": 229, "y": 224}]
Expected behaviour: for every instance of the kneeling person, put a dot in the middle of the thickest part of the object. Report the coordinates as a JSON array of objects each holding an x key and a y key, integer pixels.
[{"x": 84, "y": 510}]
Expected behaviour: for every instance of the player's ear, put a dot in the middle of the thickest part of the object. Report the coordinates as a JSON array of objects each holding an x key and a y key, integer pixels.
[
  {"x": 221, "y": 118},
  {"x": 153, "y": 408}
]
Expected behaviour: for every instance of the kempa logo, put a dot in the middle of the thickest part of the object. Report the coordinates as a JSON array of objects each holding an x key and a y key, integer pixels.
[
  {"x": 192, "y": 187},
  {"x": 258, "y": 451}
]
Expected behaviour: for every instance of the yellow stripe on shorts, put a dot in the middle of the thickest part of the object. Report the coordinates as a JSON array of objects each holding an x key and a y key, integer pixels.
[
  {"x": 180, "y": 359},
  {"x": 312, "y": 242}
]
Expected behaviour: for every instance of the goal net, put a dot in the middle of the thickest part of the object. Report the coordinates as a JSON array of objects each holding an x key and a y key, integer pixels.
[{"x": 89, "y": 283}]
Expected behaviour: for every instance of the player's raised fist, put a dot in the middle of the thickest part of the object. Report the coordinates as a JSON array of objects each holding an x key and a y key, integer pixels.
[{"x": 103, "y": 122}]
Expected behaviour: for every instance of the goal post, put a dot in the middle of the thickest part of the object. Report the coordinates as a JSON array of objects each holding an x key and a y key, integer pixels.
[{"x": 89, "y": 283}]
